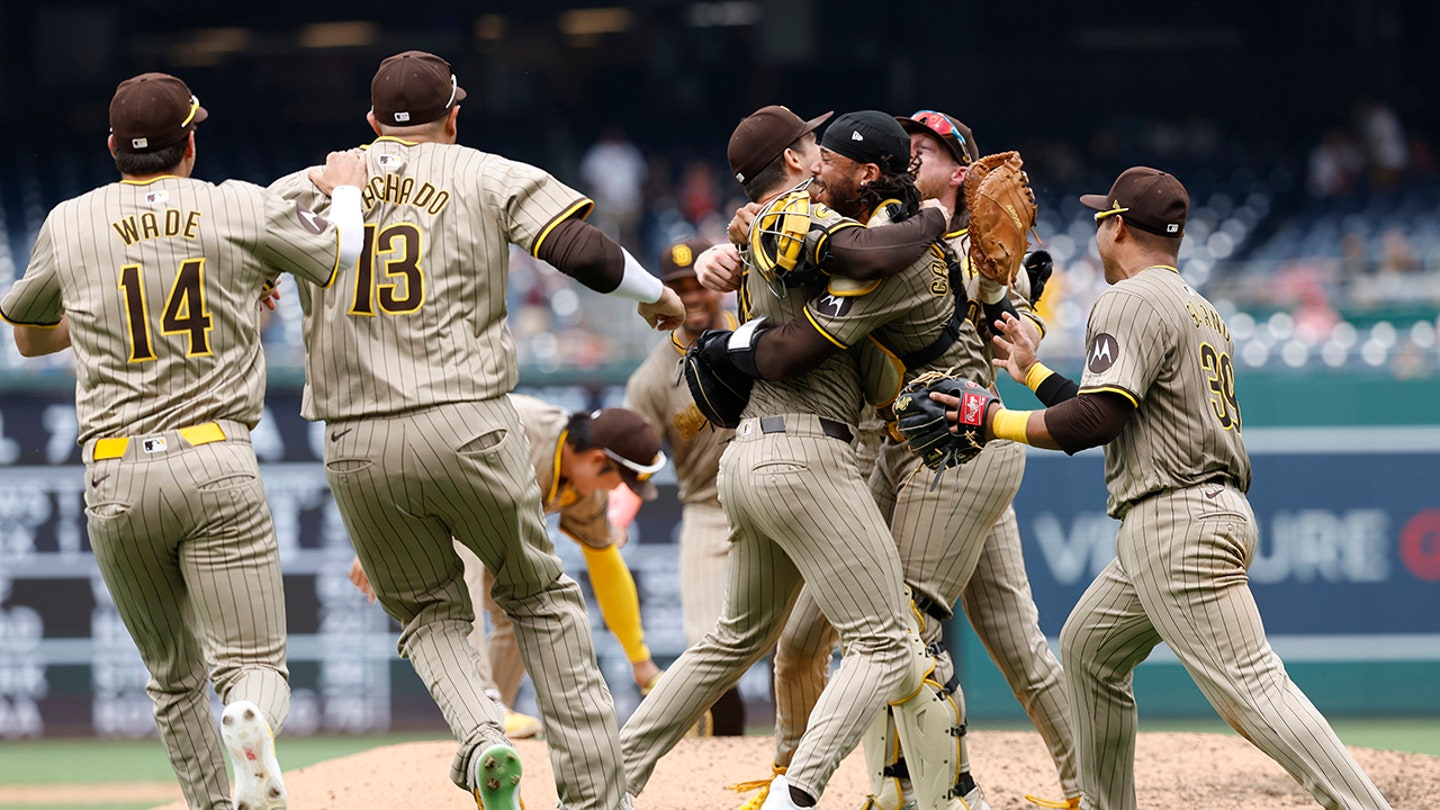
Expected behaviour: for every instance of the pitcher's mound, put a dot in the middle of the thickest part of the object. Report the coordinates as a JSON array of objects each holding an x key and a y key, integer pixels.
[{"x": 1213, "y": 771}]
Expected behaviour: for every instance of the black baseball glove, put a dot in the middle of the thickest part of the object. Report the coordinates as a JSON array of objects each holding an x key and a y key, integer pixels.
[
  {"x": 1038, "y": 266},
  {"x": 921, "y": 420},
  {"x": 720, "y": 389}
]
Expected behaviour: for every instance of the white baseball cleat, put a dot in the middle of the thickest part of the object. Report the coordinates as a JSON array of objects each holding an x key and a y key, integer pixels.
[
  {"x": 258, "y": 784},
  {"x": 779, "y": 798}
]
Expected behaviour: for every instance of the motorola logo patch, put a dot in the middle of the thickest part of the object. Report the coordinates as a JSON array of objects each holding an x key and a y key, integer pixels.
[{"x": 1104, "y": 351}]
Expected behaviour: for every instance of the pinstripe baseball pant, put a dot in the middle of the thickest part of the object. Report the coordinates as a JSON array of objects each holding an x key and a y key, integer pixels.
[
  {"x": 184, "y": 541},
  {"x": 406, "y": 485},
  {"x": 1179, "y": 576},
  {"x": 799, "y": 512}
]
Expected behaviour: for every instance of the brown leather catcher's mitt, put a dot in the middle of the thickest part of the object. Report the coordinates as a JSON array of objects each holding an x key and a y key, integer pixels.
[{"x": 1002, "y": 212}]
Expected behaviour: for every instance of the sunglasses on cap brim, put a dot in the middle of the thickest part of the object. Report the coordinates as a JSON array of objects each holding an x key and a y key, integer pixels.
[
  {"x": 940, "y": 124},
  {"x": 1115, "y": 208},
  {"x": 642, "y": 471}
]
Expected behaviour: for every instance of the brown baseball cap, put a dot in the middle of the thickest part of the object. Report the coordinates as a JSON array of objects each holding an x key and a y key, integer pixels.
[
  {"x": 1149, "y": 199},
  {"x": 412, "y": 88},
  {"x": 948, "y": 129},
  {"x": 634, "y": 446},
  {"x": 762, "y": 135},
  {"x": 152, "y": 111},
  {"x": 678, "y": 260}
]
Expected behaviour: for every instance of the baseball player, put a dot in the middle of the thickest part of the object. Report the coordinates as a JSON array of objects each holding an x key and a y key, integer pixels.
[
  {"x": 154, "y": 281},
  {"x": 579, "y": 460},
  {"x": 408, "y": 361},
  {"x": 656, "y": 392},
  {"x": 797, "y": 504},
  {"x": 913, "y": 324},
  {"x": 1159, "y": 393}
]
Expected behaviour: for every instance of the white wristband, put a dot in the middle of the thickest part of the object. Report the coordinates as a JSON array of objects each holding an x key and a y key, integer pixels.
[
  {"x": 992, "y": 291},
  {"x": 345, "y": 213},
  {"x": 638, "y": 284}
]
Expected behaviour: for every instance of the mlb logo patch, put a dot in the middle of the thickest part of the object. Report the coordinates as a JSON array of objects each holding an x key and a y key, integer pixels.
[
  {"x": 402, "y": 116},
  {"x": 972, "y": 409},
  {"x": 157, "y": 197},
  {"x": 153, "y": 444}
]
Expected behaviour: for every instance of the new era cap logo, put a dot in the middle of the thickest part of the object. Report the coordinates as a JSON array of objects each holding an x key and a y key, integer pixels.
[{"x": 856, "y": 136}]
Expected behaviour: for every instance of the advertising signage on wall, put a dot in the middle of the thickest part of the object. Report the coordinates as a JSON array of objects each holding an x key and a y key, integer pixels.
[{"x": 1348, "y": 568}]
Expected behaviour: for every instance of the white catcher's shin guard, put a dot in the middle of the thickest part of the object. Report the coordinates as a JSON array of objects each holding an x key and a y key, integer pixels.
[
  {"x": 882, "y": 751},
  {"x": 930, "y": 724}
]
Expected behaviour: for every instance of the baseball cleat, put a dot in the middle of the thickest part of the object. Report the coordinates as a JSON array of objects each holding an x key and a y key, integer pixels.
[
  {"x": 496, "y": 782},
  {"x": 258, "y": 784},
  {"x": 1072, "y": 804},
  {"x": 763, "y": 785},
  {"x": 975, "y": 800},
  {"x": 520, "y": 726}
]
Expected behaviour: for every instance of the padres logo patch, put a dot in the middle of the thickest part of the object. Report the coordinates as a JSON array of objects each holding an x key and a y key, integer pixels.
[{"x": 1104, "y": 351}]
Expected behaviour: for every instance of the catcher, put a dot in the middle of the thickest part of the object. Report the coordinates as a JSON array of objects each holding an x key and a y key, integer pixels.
[{"x": 899, "y": 328}]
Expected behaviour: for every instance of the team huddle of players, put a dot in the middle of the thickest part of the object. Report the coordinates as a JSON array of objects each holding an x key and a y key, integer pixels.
[{"x": 805, "y": 527}]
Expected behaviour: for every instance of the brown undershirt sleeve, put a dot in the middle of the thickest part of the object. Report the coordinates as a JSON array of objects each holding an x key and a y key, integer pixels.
[
  {"x": 579, "y": 250},
  {"x": 791, "y": 350},
  {"x": 1087, "y": 420},
  {"x": 868, "y": 254}
]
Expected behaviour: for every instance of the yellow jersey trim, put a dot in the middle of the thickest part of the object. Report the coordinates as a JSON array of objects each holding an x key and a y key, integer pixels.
[
  {"x": 335, "y": 270},
  {"x": 855, "y": 293},
  {"x": 1165, "y": 267},
  {"x": 957, "y": 234},
  {"x": 583, "y": 203},
  {"x": 151, "y": 180},
  {"x": 821, "y": 330},
  {"x": 730, "y": 323},
  {"x": 825, "y": 237},
  {"x": 1113, "y": 389},
  {"x": 555, "y": 480},
  {"x": 394, "y": 139}
]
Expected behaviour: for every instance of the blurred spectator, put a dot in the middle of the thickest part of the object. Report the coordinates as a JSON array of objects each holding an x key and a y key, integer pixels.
[
  {"x": 1354, "y": 255},
  {"x": 1396, "y": 255},
  {"x": 1335, "y": 165},
  {"x": 1384, "y": 140},
  {"x": 698, "y": 196},
  {"x": 1302, "y": 286},
  {"x": 613, "y": 171}
]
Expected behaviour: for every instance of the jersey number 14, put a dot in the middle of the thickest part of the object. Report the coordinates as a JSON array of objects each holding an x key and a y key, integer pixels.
[{"x": 185, "y": 312}]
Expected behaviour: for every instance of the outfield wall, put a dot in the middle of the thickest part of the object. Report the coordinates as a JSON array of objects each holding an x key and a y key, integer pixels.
[{"x": 1348, "y": 579}]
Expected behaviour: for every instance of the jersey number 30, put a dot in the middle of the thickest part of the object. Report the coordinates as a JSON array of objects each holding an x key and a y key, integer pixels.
[{"x": 185, "y": 311}]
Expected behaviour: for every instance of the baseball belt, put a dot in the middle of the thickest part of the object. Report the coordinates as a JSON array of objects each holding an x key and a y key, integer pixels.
[
  {"x": 196, "y": 435},
  {"x": 831, "y": 428}
]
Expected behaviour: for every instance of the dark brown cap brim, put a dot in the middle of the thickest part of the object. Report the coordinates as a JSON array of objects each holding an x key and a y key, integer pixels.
[
  {"x": 1099, "y": 202},
  {"x": 646, "y": 490}
]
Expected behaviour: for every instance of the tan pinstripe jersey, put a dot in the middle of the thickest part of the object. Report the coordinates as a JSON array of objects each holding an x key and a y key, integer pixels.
[
  {"x": 885, "y": 320},
  {"x": 1160, "y": 344},
  {"x": 161, "y": 281},
  {"x": 833, "y": 389},
  {"x": 584, "y": 518},
  {"x": 959, "y": 242},
  {"x": 657, "y": 392},
  {"x": 421, "y": 319}
]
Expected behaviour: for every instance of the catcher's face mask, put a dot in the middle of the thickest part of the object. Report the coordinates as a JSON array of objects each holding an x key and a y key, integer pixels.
[{"x": 777, "y": 239}]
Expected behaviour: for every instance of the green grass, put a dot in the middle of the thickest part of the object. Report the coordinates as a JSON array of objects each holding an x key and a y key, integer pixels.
[{"x": 71, "y": 761}]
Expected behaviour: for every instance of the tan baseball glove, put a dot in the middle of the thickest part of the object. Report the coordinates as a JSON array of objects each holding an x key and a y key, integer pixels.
[{"x": 1002, "y": 212}]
